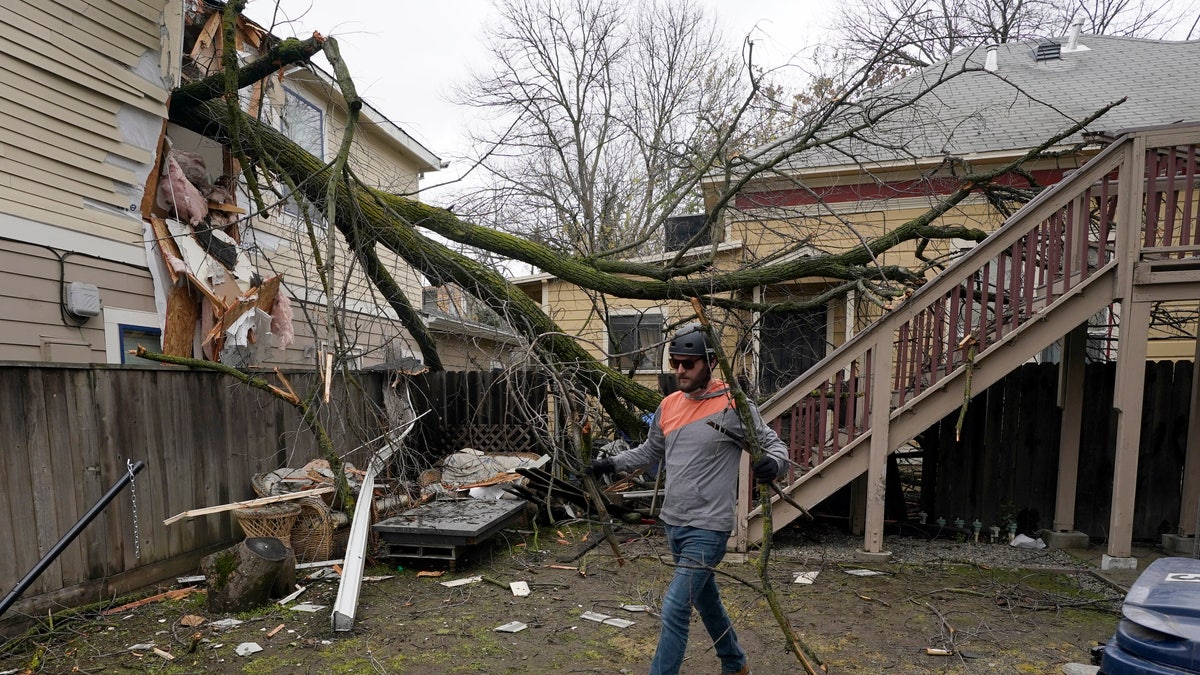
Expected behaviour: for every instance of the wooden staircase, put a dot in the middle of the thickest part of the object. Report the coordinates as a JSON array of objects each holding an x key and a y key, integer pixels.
[{"x": 1129, "y": 219}]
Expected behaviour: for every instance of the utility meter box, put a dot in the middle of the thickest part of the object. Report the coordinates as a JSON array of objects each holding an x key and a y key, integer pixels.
[
  {"x": 1159, "y": 632},
  {"x": 83, "y": 300}
]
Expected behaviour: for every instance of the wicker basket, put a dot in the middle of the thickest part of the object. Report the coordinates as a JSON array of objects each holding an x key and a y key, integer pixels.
[
  {"x": 272, "y": 520},
  {"x": 312, "y": 534}
]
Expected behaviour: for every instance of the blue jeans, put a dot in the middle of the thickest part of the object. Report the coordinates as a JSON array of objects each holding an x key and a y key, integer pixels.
[{"x": 696, "y": 553}]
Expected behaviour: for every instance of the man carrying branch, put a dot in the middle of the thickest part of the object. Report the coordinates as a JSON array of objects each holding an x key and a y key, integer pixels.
[{"x": 701, "y": 465}]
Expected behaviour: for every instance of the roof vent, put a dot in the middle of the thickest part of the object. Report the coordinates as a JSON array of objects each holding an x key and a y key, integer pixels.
[
  {"x": 1048, "y": 51},
  {"x": 1073, "y": 35},
  {"x": 992, "y": 62}
]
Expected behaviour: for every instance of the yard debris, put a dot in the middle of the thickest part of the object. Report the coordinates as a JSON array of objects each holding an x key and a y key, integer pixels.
[
  {"x": 323, "y": 563},
  {"x": 378, "y": 578},
  {"x": 805, "y": 577},
  {"x": 606, "y": 619},
  {"x": 306, "y": 607},
  {"x": 249, "y": 503},
  {"x": 519, "y": 588},
  {"x": 167, "y": 595},
  {"x": 248, "y": 648},
  {"x": 937, "y": 651},
  {"x": 292, "y": 596},
  {"x": 274, "y": 631},
  {"x": 191, "y": 620},
  {"x": 864, "y": 573},
  {"x": 511, "y": 627},
  {"x": 462, "y": 582},
  {"x": 430, "y": 573},
  {"x": 141, "y": 647},
  {"x": 165, "y": 655},
  {"x": 636, "y": 608},
  {"x": 1022, "y": 541},
  {"x": 194, "y": 579},
  {"x": 225, "y": 623}
]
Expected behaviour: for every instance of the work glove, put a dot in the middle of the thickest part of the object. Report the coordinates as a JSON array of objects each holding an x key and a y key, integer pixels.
[
  {"x": 765, "y": 469},
  {"x": 602, "y": 466}
]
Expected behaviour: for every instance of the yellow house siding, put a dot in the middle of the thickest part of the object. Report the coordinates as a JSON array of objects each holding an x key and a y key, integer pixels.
[{"x": 65, "y": 74}]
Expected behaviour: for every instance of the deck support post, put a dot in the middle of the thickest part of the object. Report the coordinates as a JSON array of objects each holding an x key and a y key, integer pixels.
[
  {"x": 881, "y": 409},
  {"x": 1127, "y": 401},
  {"x": 1189, "y": 508},
  {"x": 1070, "y": 400}
]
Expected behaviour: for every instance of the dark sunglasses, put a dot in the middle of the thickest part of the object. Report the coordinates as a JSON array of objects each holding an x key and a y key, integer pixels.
[{"x": 686, "y": 363}]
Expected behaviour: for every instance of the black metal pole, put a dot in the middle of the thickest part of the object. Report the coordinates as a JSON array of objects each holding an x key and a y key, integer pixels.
[{"x": 53, "y": 553}]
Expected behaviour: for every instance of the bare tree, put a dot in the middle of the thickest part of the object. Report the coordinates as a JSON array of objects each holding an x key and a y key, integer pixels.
[{"x": 600, "y": 110}]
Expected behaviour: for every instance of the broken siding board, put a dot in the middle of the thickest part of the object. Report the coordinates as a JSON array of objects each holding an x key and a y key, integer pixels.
[
  {"x": 39, "y": 193},
  {"x": 79, "y": 216},
  {"x": 84, "y": 31},
  {"x": 102, "y": 189},
  {"x": 57, "y": 98},
  {"x": 133, "y": 14},
  {"x": 15, "y": 131},
  {"x": 58, "y": 54},
  {"x": 72, "y": 69},
  {"x": 83, "y": 220},
  {"x": 113, "y": 16},
  {"x": 31, "y": 123}
]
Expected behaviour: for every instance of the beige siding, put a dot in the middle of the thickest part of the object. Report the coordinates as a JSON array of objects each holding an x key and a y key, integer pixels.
[
  {"x": 34, "y": 328},
  {"x": 66, "y": 76}
]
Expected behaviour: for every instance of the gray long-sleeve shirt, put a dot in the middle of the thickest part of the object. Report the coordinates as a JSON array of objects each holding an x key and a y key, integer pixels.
[{"x": 701, "y": 463}]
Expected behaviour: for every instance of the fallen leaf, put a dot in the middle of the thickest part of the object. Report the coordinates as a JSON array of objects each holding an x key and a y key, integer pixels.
[{"x": 191, "y": 620}]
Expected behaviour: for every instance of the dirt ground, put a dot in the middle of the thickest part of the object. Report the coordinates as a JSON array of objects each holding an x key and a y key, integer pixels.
[{"x": 1018, "y": 612}]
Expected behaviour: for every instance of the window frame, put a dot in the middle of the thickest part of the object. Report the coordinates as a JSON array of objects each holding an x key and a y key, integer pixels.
[{"x": 652, "y": 358}]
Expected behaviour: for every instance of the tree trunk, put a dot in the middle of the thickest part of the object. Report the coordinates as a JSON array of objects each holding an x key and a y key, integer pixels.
[{"x": 248, "y": 574}]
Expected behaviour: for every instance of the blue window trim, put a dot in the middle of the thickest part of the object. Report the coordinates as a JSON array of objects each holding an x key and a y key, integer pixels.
[{"x": 148, "y": 330}]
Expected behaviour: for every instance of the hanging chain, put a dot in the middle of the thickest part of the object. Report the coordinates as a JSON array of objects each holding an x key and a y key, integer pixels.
[{"x": 137, "y": 535}]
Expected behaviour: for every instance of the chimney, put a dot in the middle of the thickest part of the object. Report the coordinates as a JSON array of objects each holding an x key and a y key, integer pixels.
[
  {"x": 1073, "y": 36},
  {"x": 991, "y": 63}
]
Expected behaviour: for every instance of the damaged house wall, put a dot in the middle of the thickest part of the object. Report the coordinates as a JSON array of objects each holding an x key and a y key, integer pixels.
[
  {"x": 85, "y": 90},
  {"x": 83, "y": 130}
]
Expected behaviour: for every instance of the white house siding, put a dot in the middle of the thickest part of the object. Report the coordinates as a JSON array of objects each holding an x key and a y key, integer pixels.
[{"x": 83, "y": 92}]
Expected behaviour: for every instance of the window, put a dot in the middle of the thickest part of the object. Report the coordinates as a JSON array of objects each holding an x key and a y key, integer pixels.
[
  {"x": 680, "y": 231},
  {"x": 125, "y": 330},
  {"x": 133, "y": 337},
  {"x": 303, "y": 123},
  {"x": 791, "y": 343},
  {"x": 635, "y": 341}
]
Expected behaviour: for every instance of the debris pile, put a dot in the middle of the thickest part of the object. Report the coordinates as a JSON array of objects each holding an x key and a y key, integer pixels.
[{"x": 212, "y": 280}]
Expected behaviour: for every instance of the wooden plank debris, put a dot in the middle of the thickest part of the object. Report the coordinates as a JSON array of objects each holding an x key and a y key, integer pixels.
[
  {"x": 247, "y": 503},
  {"x": 167, "y": 595}
]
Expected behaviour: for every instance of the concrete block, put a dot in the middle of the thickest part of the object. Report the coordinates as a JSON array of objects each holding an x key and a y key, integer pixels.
[
  {"x": 1177, "y": 545},
  {"x": 1108, "y": 562},
  {"x": 867, "y": 556},
  {"x": 1072, "y": 539}
]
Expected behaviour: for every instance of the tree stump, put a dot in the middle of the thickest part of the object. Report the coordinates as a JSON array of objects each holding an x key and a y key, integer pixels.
[{"x": 248, "y": 574}]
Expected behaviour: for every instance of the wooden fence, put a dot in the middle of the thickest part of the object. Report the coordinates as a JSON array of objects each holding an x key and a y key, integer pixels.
[
  {"x": 67, "y": 433},
  {"x": 1006, "y": 461}
]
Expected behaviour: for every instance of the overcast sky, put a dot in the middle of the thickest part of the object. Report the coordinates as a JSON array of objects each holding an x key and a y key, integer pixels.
[{"x": 407, "y": 55}]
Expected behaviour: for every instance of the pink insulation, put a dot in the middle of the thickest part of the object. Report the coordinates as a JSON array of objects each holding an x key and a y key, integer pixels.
[
  {"x": 178, "y": 195},
  {"x": 281, "y": 320}
]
